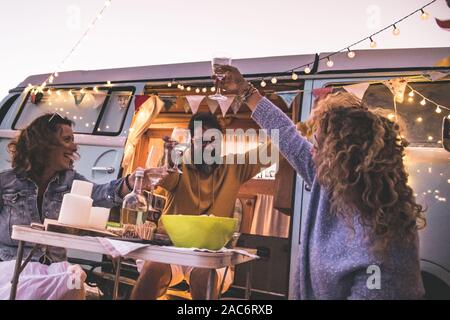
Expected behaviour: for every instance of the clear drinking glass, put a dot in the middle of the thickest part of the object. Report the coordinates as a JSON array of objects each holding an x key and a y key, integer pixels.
[
  {"x": 183, "y": 138},
  {"x": 219, "y": 59}
]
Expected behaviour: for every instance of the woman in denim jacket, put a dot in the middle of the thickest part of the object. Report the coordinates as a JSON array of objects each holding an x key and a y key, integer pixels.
[{"x": 42, "y": 172}]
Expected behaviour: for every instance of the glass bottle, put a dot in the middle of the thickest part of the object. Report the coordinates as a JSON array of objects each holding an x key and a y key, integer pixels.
[{"x": 134, "y": 206}]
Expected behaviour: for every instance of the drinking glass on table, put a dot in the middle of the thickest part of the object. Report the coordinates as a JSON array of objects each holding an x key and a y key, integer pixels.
[{"x": 219, "y": 59}]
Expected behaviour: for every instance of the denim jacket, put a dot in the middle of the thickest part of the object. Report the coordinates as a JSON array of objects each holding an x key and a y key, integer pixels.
[{"x": 19, "y": 206}]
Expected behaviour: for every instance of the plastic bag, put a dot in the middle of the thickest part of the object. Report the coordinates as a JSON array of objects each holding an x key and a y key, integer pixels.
[{"x": 58, "y": 281}]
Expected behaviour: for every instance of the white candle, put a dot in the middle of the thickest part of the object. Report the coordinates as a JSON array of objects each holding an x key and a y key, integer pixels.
[
  {"x": 75, "y": 210},
  {"x": 82, "y": 188},
  {"x": 99, "y": 218}
]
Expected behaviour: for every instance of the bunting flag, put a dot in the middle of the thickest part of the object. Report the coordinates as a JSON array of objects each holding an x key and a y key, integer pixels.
[
  {"x": 436, "y": 75},
  {"x": 194, "y": 102},
  {"x": 443, "y": 24},
  {"x": 397, "y": 87},
  {"x": 169, "y": 101},
  {"x": 357, "y": 89},
  {"x": 78, "y": 97},
  {"x": 212, "y": 105},
  {"x": 225, "y": 104},
  {"x": 139, "y": 100},
  {"x": 321, "y": 92},
  {"x": 288, "y": 97},
  {"x": 236, "y": 105}
]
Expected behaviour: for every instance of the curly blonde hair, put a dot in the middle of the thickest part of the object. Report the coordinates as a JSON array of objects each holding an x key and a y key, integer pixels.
[{"x": 360, "y": 161}]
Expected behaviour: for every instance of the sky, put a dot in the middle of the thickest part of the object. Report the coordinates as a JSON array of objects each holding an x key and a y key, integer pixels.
[{"x": 35, "y": 36}]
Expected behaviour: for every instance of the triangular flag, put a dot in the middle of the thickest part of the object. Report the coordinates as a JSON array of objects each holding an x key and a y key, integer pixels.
[
  {"x": 212, "y": 105},
  {"x": 139, "y": 100},
  {"x": 397, "y": 87},
  {"x": 443, "y": 24},
  {"x": 436, "y": 75},
  {"x": 225, "y": 104},
  {"x": 194, "y": 102},
  {"x": 78, "y": 97},
  {"x": 288, "y": 97},
  {"x": 169, "y": 101},
  {"x": 236, "y": 105},
  {"x": 357, "y": 89},
  {"x": 320, "y": 93}
]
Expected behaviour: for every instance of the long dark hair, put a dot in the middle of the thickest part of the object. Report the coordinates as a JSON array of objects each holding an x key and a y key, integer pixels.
[{"x": 30, "y": 150}]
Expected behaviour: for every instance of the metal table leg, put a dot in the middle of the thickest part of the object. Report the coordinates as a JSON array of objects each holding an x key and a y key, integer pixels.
[
  {"x": 210, "y": 286},
  {"x": 248, "y": 281},
  {"x": 116, "y": 278},
  {"x": 17, "y": 271}
]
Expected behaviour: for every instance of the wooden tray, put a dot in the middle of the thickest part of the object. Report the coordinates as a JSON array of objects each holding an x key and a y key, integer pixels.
[{"x": 55, "y": 226}]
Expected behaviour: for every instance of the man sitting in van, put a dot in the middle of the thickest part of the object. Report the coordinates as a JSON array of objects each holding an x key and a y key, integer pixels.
[{"x": 208, "y": 184}]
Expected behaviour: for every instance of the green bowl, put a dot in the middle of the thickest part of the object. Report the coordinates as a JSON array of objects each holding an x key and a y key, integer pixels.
[{"x": 204, "y": 232}]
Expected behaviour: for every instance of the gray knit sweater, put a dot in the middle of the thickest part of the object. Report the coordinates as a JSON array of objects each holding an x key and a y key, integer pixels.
[{"x": 335, "y": 262}]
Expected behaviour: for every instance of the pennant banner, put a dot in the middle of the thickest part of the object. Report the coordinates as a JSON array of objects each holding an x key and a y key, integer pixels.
[
  {"x": 397, "y": 87},
  {"x": 225, "y": 104},
  {"x": 321, "y": 92},
  {"x": 236, "y": 105},
  {"x": 169, "y": 101},
  {"x": 139, "y": 100},
  {"x": 436, "y": 75},
  {"x": 288, "y": 97},
  {"x": 443, "y": 24},
  {"x": 357, "y": 89},
  {"x": 212, "y": 105},
  {"x": 194, "y": 102}
]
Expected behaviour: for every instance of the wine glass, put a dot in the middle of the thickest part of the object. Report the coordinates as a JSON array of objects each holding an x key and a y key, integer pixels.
[
  {"x": 182, "y": 137},
  {"x": 153, "y": 173},
  {"x": 219, "y": 59}
]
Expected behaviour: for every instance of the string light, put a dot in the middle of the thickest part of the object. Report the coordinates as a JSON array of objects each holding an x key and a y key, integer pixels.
[
  {"x": 396, "y": 30},
  {"x": 197, "y": 90},
  {"x": 411, "y": 93},
  {"x": 424, "y": 15},
  {"x": 204, "y": 90},
  {"x": 419, "y": 119},
  {"x": 213, "y": 89},
  {"x": 294, "y": 76},
  {"x": 423, "y": 102},
  {"x": 189, "y": 89},
  {"x": 108, "y": 83},
  {"x": 373, "y": 44},
  {"x": 330, "y": 62},
  {"x": 438, "y": 109},
  {"x": 274, "y": 80},
  {"x": 263, "y": 83},
  {"x": 430, "y": 138},
  {"x": 307, "y": 70},
  {"x": 169, "y": 84},
  {"x": 350, "y": 54}
]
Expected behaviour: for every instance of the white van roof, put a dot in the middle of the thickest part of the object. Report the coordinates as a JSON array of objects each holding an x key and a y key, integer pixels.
[{"x": 365, "y": 60}]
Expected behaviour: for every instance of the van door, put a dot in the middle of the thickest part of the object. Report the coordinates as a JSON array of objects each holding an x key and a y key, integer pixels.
[
  {"x": 101, "y": 119},
  {"x": 427, "y": 163}
]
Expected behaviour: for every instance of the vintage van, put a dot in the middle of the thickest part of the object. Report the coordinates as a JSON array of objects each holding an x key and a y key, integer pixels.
[{"x": 102, "y": 104}]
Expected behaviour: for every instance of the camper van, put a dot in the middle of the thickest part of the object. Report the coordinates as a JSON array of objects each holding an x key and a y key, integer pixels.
[{"x": 271, "y": 206}]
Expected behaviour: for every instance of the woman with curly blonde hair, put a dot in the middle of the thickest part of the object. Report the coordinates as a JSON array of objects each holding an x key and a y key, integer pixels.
[{"x": 359, "y": 237}]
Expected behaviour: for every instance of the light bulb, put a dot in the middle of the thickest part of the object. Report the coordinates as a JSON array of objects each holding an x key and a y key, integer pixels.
[
  {"x": 56, "y": 74},
  {"x": 213, "y": 89},
  {"x": 350, "y": 54},
  {"x": 30, "y": 85},
  {"x": 330, "y": 63},
  {"x": 424, "y": 15},
  {"x": 430, "y": 138},
  {"x": 448, "y": 117},
  {"x": 419, "y": 119},
  {"x": 95, "y": 89},
  {"x": 294, "y": 76},
  {"x": 373, "y": 44},
  {"x": 179, "y": 86},
  {"x": 204, "y": 90},
  {"x": 410, "y": 99},
  {"x": 189, "y": 88},
  {"x": 263, "y": 83},
  {"x": 108, "y": 83},
  {"x": 438, "y": 110},
  {"x": 49, "y": 92},
  {"x": 274, "y": 80},
  {"x": 396, "y": 31},
  {"x": 197, "y": 90},
  {"x": 411, "y": 93},
  {"x": 169, "y": 84},
  {"x": 58, "y": 92},
  {"x": 307, "y": 70},
  {"x": 423, "y": 102}
]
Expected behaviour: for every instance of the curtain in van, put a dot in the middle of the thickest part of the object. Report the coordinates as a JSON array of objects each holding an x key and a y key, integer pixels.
[
  {"x": 268, "y": 221},
  {"x": 147, "y": 112}
]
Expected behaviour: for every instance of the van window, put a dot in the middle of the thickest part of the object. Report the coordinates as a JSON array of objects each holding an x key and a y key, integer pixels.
[
  {"x": 93, "y": 112},
  {"x": 421, "y": 123},
  {"x": 6, "y": 106}
]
